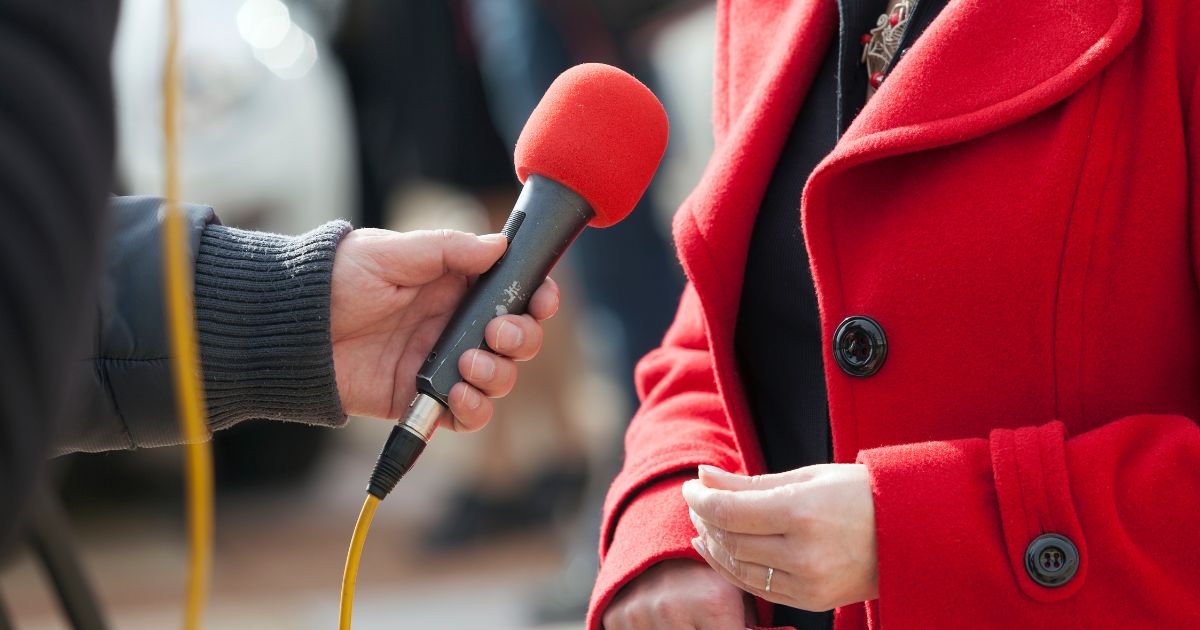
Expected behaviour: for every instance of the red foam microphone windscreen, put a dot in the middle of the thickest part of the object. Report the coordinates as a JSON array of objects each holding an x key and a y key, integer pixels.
[{"x": 601, "y": 133}]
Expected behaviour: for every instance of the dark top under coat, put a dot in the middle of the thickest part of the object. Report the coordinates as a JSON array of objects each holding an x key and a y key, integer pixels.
[{"x": 778, "y": 336}]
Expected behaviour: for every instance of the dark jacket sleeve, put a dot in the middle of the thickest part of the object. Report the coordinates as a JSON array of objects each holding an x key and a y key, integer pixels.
[
  {"x": 262, "y": 314},
  {"x": 56, "y": 146}
]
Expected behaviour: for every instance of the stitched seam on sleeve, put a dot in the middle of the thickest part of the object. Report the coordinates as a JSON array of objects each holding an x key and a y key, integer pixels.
[{"x": 112, "y": 396}]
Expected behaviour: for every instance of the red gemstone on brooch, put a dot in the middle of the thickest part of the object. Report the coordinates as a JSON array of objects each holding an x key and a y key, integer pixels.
[
  {"x": 895, "y": 19},
  {"x": 866, "y": 38},
  {"x": 876, "y": 79}
]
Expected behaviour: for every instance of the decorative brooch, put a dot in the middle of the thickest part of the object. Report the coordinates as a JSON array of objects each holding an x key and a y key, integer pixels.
[{"x": 882, "y": 42}]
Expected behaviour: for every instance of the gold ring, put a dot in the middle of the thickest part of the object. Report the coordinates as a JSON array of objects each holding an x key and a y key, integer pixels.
[{"x": 770, "y": 574}]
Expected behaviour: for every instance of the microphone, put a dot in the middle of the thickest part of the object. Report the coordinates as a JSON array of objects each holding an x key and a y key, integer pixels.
[{"x": 585, "y": 157}]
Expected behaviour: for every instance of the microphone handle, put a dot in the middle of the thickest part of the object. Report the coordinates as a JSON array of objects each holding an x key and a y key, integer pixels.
[{"x": 544, "y": 222}]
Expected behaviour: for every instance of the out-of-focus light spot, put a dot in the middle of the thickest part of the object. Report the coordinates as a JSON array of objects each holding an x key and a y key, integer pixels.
[
  {"x": 263, "y": 23},
  {"x": 278, "y": 43},
  {"x": 293, "y": 57}
]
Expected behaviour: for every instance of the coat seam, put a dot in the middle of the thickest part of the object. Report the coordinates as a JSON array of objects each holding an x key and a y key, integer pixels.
[
  {"x": 1050, "y": 521},
  {"x": 1071, "y": 227},
  {"x": 112, "y": 395},
  {"x": 1105, "y": 185}
]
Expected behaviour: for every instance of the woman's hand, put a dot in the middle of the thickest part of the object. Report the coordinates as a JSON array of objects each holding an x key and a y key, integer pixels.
[
  {"x": 393, "y": 293},
  {"x": 815, "y": 526},
  {"x": 679, "y": 594}
]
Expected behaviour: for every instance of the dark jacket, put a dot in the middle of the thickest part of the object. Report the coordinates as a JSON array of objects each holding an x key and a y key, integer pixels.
[
  {"x": 82, "y": 344},
  {"x": 262, "y": 313}
]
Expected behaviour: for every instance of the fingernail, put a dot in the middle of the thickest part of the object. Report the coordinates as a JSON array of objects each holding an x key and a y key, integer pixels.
[
  {"x": 493, "y": 238},
  {"x": 699, "y": 546},
  {"x": 509, "y": 336},
  {"x": 695, "y": 519},
  {"x": 471, "y": 398},
  {"x": 483, "y": 368},
  {"x": 711, "y": 470}
]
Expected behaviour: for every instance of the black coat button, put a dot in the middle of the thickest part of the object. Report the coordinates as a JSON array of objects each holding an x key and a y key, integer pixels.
[
  {"x": 859, "y": 346},
  {"x": 1051, "y": 560}
]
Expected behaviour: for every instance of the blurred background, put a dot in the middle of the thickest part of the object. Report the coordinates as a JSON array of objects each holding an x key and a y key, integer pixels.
[{"x": 396, "y": 114}]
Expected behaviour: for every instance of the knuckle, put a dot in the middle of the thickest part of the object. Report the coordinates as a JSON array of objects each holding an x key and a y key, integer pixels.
[
  {"x": 713, "y": 596},
  {"x": 662, "y": 607},
  {"x": 720, "y": 511},
  {"x": 732, "y": 542},
  {"x": 619, "y": 616},
  {"x": 800, "y": 513},
  {"x": 809, "y": 567},
  {"x": 739, "y": 569}
]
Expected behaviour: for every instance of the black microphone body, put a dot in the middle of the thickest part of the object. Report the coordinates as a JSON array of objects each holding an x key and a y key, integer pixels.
[{"x": 544, "y": 222}]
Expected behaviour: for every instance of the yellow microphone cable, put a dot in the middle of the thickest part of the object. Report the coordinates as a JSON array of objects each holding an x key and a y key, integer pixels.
[
  {"x": 185, "y": 363},
  {"x": 353, "y": 557},
  {"x": 405, "y": 444}
]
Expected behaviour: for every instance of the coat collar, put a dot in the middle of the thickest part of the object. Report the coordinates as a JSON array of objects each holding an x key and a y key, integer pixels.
[{"x": 981, "y": 65}]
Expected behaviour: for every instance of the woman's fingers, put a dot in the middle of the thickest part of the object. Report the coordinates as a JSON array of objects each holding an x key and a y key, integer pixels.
[
  {"x": 518, "y": 337},
  {"x": 748, "y": 576},
  {"x": 742, "y": 547},
  {"x": 746, "y": 511}
]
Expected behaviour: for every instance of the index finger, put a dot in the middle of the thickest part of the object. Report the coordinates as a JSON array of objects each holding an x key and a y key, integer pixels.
[{"x": 745, "y": 511}]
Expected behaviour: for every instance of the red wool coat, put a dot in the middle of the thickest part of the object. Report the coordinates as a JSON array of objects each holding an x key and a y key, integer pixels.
[{"x": 1018, "y": 209}]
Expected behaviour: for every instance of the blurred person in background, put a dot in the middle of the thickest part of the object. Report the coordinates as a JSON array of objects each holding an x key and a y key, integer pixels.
[
  {"x": 305, "y": 329},
  {"x": 936, "y": 363}
]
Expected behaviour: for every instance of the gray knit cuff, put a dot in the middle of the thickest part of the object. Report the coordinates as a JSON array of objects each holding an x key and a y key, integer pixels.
[{"x": 262, "y": 312}]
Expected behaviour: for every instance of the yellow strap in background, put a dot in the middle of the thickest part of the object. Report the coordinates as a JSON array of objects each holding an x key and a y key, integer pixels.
[{"x": 185, "y": 364}]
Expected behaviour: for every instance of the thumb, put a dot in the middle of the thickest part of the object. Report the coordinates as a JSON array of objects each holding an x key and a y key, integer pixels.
[
  {"x": 420, "y": 257},
  {"x": 717, "y": 479}
]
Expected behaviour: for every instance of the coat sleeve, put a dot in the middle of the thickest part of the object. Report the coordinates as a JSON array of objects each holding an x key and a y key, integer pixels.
[
  {"x": 262, "y": 317},
  {"x": 127, "y": 371},
  {"x": 680, "y": 425}
]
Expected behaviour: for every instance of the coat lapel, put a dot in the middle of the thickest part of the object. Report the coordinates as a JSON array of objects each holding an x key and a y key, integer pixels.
[{"x": 768, "y": 54}]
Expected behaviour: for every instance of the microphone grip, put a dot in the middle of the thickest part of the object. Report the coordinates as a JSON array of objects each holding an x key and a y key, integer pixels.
[{"x": 544, "y": 222}]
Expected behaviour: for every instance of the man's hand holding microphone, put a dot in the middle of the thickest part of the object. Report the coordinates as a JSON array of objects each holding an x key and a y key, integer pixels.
[{"x": 392, "y": 294}]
